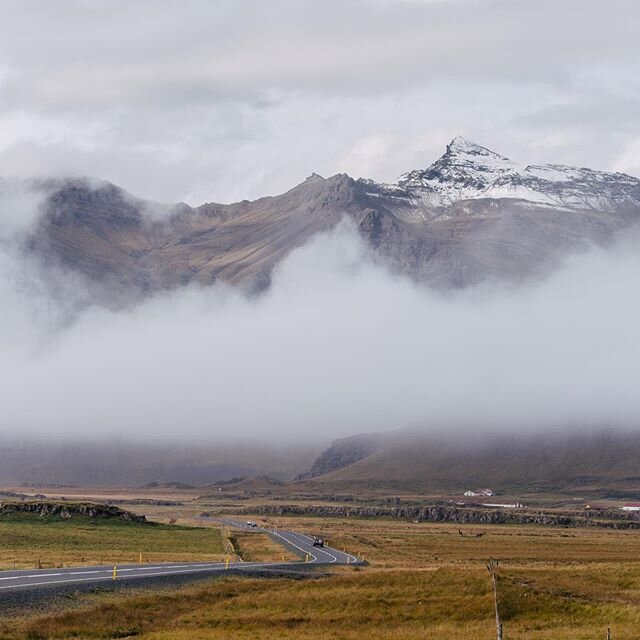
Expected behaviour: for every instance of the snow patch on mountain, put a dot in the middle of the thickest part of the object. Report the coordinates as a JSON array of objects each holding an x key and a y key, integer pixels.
[{"x": 469, "y": 171}]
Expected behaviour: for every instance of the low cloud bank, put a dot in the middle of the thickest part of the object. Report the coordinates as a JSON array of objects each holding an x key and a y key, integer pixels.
[{"x": 336, "y": 346}]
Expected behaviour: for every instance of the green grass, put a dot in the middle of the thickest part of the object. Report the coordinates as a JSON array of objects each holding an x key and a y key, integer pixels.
[{"x": 29, "y": 541}]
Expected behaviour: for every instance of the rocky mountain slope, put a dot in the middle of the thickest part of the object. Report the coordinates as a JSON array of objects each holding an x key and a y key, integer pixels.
[
  {"x": 471, "y": 215},
  {"x": 406, "y": 460},
  {"x": 468, "y": 171},
  {"x": 344, "y": 452}
]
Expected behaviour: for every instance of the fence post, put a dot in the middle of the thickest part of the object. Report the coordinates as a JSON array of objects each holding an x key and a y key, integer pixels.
[
  {"x": 608, "y": 633},
  {"x": 492, "y": 567}
]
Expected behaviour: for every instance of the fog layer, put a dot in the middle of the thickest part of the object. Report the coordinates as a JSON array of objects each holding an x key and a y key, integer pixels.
[{"x": 336, "y": 346}]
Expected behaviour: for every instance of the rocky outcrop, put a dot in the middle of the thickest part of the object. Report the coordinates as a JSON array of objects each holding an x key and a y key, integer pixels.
[
  {"x": 342, "y": 453},
  {"x": 67, "y": 510},
  {"x": 446, "y": 513}
]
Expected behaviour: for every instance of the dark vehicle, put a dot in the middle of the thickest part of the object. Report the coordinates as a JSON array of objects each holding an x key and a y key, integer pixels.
[{"x": 318, "y": 542}]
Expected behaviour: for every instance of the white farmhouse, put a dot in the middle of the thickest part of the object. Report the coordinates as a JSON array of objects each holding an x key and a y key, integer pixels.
[{"x": 479, "y": 492}]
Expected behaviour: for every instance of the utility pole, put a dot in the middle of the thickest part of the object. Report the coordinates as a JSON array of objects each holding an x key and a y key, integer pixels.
[{"x": 492, "y": 567}]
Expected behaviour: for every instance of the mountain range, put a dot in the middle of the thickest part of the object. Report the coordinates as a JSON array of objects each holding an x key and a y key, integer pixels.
[{"x": 472, "y": 215}]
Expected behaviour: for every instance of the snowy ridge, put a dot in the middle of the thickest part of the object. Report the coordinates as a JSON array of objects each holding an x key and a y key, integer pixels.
[{"x": 468, "y": 171}]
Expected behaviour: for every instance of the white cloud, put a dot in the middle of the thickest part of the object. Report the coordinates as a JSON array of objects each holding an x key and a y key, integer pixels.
[
  {"x": 20, "y": 208},
  {"x": 629, "y": 160}
]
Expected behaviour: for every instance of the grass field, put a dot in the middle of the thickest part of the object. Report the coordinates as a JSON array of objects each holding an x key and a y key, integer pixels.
[
  {"x": 253, "y": 547},
  {"x": 27, "y": 541},
  {"x": 399, "y": 544},
  {"x": 425, "y": 581}
]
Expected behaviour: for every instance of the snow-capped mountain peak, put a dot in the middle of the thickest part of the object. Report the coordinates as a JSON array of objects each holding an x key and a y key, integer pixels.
[
  {"x": 465, "y": 170},
  {"x": 469, "y": 171},
  {"x": 461, "y": 147}
]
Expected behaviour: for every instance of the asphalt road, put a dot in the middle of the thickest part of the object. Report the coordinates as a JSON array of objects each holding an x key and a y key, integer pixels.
[{"x": 301, "y": 544}]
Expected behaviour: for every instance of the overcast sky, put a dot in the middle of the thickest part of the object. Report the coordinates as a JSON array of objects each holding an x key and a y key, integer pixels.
[{"x": 199, "y": 100}]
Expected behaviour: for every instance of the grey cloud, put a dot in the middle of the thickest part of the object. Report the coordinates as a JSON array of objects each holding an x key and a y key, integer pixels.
[
  {"x": 202, "y": 51},
  {"x": 336, "y": 346}
]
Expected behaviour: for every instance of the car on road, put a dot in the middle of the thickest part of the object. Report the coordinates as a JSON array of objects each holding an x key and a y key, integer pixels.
[
  {"x": 251, "y": 523},
  {"x": 318, "y": 542}
]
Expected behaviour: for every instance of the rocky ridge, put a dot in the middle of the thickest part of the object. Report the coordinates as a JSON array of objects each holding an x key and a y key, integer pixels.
[
  {"x": 65, "y": 511},
  {"x": 469, "y": 171},
  {"x": 342, "y": 453},
  {"x": 459, "y": 515}
]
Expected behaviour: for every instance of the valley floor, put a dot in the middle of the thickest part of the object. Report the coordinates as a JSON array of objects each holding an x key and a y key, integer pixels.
[{"x": 424, "y": 580}]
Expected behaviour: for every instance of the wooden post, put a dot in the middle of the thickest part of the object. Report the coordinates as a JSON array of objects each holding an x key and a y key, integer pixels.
[
  {"x": 608, "y": 633},
  {"x": 492, "y": 567}
]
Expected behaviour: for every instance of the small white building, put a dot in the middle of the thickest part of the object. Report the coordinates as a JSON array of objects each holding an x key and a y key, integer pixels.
[
  {"x": 479, "y": 492},
  {"x": 506, "y": 505},
  {"x": 631, "y": 506}
]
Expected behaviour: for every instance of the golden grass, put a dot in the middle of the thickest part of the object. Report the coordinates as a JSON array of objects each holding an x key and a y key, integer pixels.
[
  {"x": 425, "y": 581},
  {"x": 389, "y": 605},
  {"x": 396, "y": 544},
  {"x": 253, "y": 546}
]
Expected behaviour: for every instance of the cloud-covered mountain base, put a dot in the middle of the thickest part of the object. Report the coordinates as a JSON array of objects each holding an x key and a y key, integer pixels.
[
  {"x": 336, "y": 346},
  {"x": 600, "y": 463}
]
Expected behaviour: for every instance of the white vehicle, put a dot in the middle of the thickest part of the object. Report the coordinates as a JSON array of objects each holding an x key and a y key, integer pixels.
[{"x": 251, "y": 523}]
